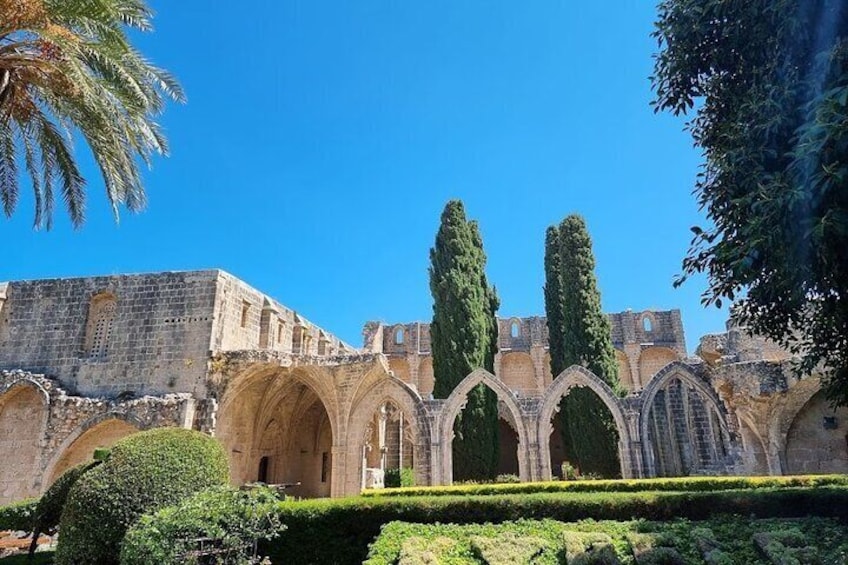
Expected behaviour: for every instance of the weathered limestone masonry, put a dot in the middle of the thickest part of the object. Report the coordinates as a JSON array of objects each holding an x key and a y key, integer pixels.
[{"x": 87, "y": 361}]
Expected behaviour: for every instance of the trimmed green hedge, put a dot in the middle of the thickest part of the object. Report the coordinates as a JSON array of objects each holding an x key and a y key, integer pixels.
[
  {"x": 690, "y": 484},
  {"x": 453, "y": 543},
  {"x": 727, "y": 539},
  {"x": 232, "y": 520},
  {"x": 145, "y": 472},
  {"x": 18, "y": 515},
  {"x": 339, "y": 531}
]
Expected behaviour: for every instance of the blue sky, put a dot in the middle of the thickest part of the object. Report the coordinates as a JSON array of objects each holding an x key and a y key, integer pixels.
[{"x": 321, "y": 140}]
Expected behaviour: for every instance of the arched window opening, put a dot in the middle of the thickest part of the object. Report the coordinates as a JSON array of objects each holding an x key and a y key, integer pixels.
[
  {"x": 101, "y": 317},
  {"x": 584, "y": 440},
  {"x": 284, "y": 422},
  {"x": 647, "y": 325},
  {"x": 388, "y": 445},
  {"x": 514, "y": 329},
  {"x": 477, "y": 438},
  {"x": 685, "y": 432},
  {"x": 245, "y": 313},
  {"x": 399, "y": 336}
]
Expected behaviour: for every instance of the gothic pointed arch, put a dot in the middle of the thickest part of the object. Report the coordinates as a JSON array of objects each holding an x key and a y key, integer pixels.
[
  {"x": 24, "y": 406},
  {"x": 393, "y": 391},
  {"x": 576, "y": 376},
  {"x": 289, "y": 418},
  {"x": 78, "y": 447},
  {"x": 454, "y": 404},
  {"x": 715, "y": 416}
]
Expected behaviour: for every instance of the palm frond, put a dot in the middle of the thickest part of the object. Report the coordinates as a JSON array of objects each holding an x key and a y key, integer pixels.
[{"x": 75, "y": 74}]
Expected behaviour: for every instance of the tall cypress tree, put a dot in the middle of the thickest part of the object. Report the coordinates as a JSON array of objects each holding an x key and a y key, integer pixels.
[
  {"x": 580, "y": 335},
  {"x": 554, "y": 306},
  {"x": 463, "y": 337}
]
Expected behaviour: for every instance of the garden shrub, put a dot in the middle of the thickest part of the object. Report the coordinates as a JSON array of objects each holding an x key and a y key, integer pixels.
[
  {"x": 689, "y": 484},
  {"x": 496, "y": 544},
  {"x": 419, "y": 551},
  {"x": 339, "y": 531},
  {"x": 233, "y": 519},
  {"x": 590, "y": 542},
  {"x": 508, "y": 548},
  {"x": 145, "y": 472},
  {"x": 588, "y": 548},
  {"x": 18, "y": 516},
  {"x": 507, "y": 479},
  {"x": 404, "y": 477}
]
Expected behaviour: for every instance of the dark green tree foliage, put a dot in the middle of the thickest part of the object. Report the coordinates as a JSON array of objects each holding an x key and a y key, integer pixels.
[
  {"x": 554, "y": 305},
  {"x": 52, "y": 502},
  {"x": 463, "y": 338},
  {"x": 579, "y": 334},
  {"x": 771, "y": 81}
]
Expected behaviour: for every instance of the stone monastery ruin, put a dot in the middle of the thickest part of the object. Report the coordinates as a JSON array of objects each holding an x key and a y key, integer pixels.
[{"x": 84, "y": 362}]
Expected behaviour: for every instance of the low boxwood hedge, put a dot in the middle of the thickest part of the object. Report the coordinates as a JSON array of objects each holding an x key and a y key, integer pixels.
[
  {"x": 145, "y": 472},
  {"x": 718, "y": 541},
  {"x": 18, "y": 516},
  {"x": 339, "y": 531},
  {"x": 696, "y": 484}
]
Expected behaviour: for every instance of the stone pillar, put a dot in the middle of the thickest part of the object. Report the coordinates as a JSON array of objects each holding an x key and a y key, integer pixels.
[
  {"x": 537, "y": 354},
  {"x": 338, "y": 468},
  {"x": 633, "y": 351}
]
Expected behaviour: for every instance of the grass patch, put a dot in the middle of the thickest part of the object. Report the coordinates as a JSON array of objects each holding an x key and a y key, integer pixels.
[{"x": 40, "y": 558}]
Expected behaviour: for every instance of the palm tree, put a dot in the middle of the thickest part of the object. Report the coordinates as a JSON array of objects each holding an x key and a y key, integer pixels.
[{"x": 67, "y": 69}]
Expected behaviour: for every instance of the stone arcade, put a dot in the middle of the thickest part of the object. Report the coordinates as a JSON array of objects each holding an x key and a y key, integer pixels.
[{"x": 87, "y": 361}]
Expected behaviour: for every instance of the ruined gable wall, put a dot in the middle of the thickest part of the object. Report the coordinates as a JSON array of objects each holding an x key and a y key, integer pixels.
[
  {"x": 248, "y": 319},
  {"x": 158, "y": 340},
  {"x": 643, "y": 348}
]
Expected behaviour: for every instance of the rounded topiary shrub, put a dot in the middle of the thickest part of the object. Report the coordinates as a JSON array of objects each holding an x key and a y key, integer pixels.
[
  {"x": 145, "y": 472},
  {"x": 224, "y": 521}
]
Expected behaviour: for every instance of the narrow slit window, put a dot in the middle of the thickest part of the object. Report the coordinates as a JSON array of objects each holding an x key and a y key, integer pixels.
[{"x": 245, "y": 313}]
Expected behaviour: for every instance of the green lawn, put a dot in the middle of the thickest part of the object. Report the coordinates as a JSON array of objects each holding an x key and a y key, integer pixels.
[{"x": 41, "y": 558}]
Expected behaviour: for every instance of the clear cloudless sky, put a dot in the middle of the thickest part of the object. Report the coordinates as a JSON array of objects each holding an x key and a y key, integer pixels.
[{"x": 322, "y": 139}]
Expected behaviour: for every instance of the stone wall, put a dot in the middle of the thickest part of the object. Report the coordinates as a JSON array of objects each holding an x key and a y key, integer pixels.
[
  {"x": 44, "y": 430},
  {"x": 645, "y": 343},
  {"x": 144, "y": 334},
  {"x": 158, "y": 337},
  {"x": 293, "y": 404}
]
